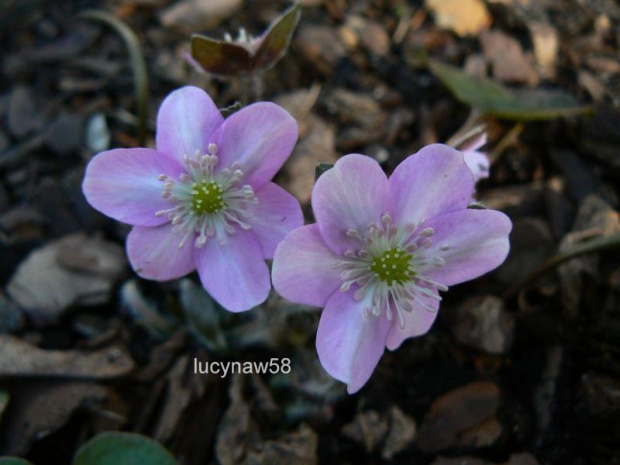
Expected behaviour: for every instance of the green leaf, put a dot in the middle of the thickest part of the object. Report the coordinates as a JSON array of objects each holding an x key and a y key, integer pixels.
[
  {"x": 320, "y": 169},
  {"x": 123, "y": 449},
  {"x": 277, "y": 39},
  {"x": 221, "y": 58},
  {"x": 230, "y": 59},
  {"x": 496, "y": 100},
  {"x": 13, "y": 461}
]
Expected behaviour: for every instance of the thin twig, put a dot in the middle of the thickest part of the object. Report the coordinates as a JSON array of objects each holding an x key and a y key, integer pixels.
[
  {"x": 138, "y": 63},
  {"x": 594, "y": 245}
]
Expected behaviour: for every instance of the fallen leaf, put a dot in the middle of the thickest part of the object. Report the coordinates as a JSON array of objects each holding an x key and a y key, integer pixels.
[
  {"x": 463, "y": 417},
  {"x": 483, "y": 323},
  {"x": 320, "y": 46},
  {"x": 191, "y": 15},
  {"x": 515, "y": 459},
  {"x": 401, "y": 434},
  {"x": 237, "y": 431},
  {"x": 508, "y": 62},
  {"x": 63, "y": 134},
  {"x": 21, "y": 359},
  {"x": 459, "y": 461},
  {"x": 39, "y": 409},
  {"x": 318, "y": 145},
  {"x": 74, "y": 270},
  {"x": 145, "y": 312},
  {"x": 524, "y": 458},
  {"x": 297, "y": 447},
  {"x": 593, "y": 85},
  {"x": 493, "y": 99},
  {"x": 372, "y": 35},
  {"x": 178, "y": 397},
  {"x": 544, "y": 395},
  {"x": 391, "y": 432},
  {"x": 368, "y": 429},
  {"x": 24, "y": 115},
  {"x": 546, "y": 46},
  {"x": 464, "y": 17}
]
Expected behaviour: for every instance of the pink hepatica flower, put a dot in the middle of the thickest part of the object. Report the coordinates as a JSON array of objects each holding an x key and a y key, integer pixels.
[
  {"x": 477, "y": 162},
  {"x": 381, "y": 251},
  {"x": 203, "y": 200}
]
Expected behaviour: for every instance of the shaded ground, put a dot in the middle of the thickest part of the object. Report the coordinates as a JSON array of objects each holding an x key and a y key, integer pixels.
[{"x": 523, "y": 377}]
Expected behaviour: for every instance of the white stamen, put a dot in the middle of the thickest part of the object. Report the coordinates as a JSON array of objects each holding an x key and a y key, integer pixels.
[
  {"x": 390, "y": 289},
  {"x": 191, "y": 217}
]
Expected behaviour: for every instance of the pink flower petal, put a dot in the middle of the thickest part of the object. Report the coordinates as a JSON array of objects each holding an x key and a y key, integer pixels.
[
  {"x": 478, "y": 241},
  {"x": 235, "y": 273},
  {"x": 349, "y": 196},
  {"x": 348, "y": 343},
  {"x": 154, "y": 253},
  {"x": 186, "y": 120},
  {"x": 433, "y": 181},
  {"x": 302, "y": 269},
  {"x": 123, "y": 184},
  {"x": 478, "y": 163},
  {"x": 260, "y": 137},
  {"x": 417, "y": 322},
  {"x": 276, "y": 215}
]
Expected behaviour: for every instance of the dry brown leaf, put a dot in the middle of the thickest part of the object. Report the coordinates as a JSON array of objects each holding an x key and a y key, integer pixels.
[
  {"x": 482, "y": 322},
  {"x": 392, "y": 432},
  {"x": 401, "y": 434},
  {"x": 462, "y": 417},
  {"x": 464, "y": 17},
  {"x": 593, "y": 85},
  {"x": 21, "y": 359},
  {"x": 370, "y": 34},
  {"x": 368, "y": 429},
  {"x": 74, "y": 270},
  {"x": 507, "y": 59},
  {"x": 178, "y": 397},
  {"x": 192, "y": 15},
  {"x": 546, "y": 46},
  {"x": 298, "y": 447},
  {"x": 39, "y": 409},
  {"x": 321, "y": 46},
  {"x": 317, "y": 146},
  {"x": 237, "y": 431}
]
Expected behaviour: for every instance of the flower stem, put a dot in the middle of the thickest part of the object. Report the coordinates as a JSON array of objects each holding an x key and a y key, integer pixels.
[{"x": 594, "y": 245}]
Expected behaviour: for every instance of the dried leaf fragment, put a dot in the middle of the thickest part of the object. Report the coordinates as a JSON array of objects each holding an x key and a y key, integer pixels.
[
  {"x": 22, "y": 359},
  {"x": 75, "y": 269},
  {"x": 464, "y": 17},
  {"x": 462, "y": 417}
]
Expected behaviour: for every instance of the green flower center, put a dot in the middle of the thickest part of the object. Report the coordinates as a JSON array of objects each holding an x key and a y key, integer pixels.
[
  {"x": 393, "y": 267},
  {"x": 207, "y": 198}
]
